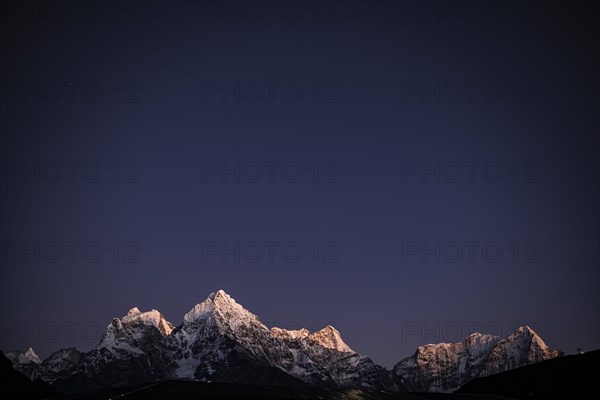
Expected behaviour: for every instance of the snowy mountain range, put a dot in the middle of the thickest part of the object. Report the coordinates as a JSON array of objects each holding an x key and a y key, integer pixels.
[{"x": 219, "y": 340}]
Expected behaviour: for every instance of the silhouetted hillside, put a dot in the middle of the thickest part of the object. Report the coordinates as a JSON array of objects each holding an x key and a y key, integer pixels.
[
  {"x": 572, "y": 376},
  {"x": 15, "y": 385}
]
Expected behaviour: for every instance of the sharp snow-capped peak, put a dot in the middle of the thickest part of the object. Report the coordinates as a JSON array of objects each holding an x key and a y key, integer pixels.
[
  {"x": 30, "y": 355},
  {"x": 524, "y": 337},
  {"x": 224, "y": 311},
  {"x": 200, "y": 310},
  {"x": 27, "y": 363},
  {"x": 330, "y": 338}
]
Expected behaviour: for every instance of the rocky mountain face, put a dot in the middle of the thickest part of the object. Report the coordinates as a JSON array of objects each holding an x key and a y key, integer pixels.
[
  {"x": 16, "y": 385},
  {"x": 445, "y": 367},
  {"x": 218, "y": 340},
  {"x": 27, "y": 362}
]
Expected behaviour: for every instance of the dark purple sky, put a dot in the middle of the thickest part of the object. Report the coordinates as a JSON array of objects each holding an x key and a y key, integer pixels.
[{"x": 447, "y": 152}]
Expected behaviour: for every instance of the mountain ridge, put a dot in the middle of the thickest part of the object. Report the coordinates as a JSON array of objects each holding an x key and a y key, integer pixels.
[
  {"x": 219, "y": 340},
  {"x": 445, "y": 367}
]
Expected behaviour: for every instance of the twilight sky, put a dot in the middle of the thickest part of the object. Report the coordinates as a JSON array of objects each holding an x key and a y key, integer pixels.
[{"x": 409, "y": 172}]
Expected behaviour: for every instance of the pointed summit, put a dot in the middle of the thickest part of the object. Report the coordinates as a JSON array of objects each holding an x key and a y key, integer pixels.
[
  {"x": 330, "y": 338},
  {"x": 30, "y": 354},
  {"x": 525, "y": 329},
  {"x": 201, "y": 310},
  {"x": 132, "y": 312},
  {"x": 522, "y": 347},
  {"x": 219, "y": 303},
  {"x": 220, "y": 295}
]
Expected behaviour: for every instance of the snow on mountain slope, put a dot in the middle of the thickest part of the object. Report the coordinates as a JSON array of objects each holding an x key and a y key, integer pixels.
[
  {"x": 324, "y": 353},
  {"x": 219, "y": 330},
  {"x": 217, "y": 340},
  {"x": 150, "y": 318},
  {"x": 211, "y": 330},
  {"x": 330, "y": 338},
  {"x": 130, "y": 333},
  {"x": 131, "y": 351},
  {"x": 60, "y": 364},
  {"x": 24, "y": 358},
  {"x": 445, "y": 367},
  {"x": 290, "y": 334},
  {"x": 522, "y": 348},
  {"x": 30, "y": 354},
  {"x": 26, "y": 363}
]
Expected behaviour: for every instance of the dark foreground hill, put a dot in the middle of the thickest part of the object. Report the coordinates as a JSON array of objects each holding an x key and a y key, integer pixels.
[
  {"x": 184, "y": 390},
  {"x": 15, "y": 385},
  {"x": 568, "y": 377}
]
